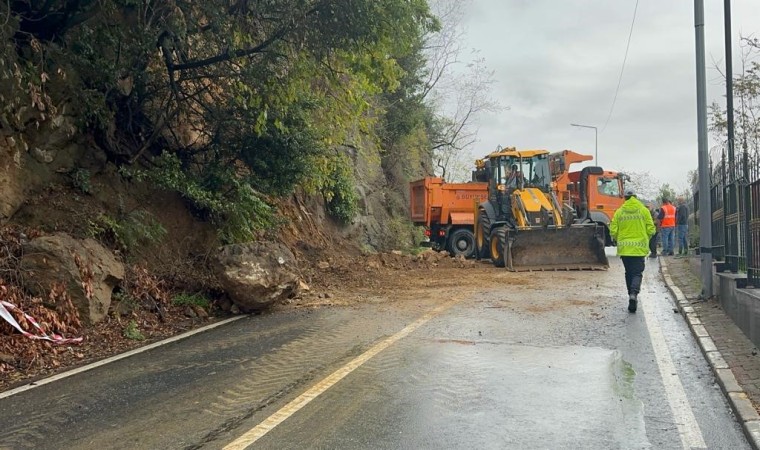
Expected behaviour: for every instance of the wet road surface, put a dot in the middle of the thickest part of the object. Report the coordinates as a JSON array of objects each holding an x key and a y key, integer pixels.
[{"x": 552, "y": 362}]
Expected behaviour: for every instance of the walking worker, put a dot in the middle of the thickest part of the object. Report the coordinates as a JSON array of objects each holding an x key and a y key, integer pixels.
[
  {"x": 667, "y": 226},
  {"x": 682, "y": 226},
  {"x": 632, "y": 228}
]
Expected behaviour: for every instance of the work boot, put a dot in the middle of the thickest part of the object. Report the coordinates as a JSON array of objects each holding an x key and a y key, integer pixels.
[{"x": 632, "y": 301}]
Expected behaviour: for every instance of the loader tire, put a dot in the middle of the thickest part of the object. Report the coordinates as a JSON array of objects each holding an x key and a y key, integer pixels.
[
  {"x": 498, "y": 246},
  {"x": 462, "y": 242},
  {"x": 482, "y": 250}
]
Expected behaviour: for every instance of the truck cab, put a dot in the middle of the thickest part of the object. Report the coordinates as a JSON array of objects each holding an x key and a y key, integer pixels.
[{"x": 593, "y": 192}]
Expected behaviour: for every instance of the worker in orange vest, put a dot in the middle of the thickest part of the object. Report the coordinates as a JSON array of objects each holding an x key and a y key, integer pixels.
[{"x": 667, "y": 218}]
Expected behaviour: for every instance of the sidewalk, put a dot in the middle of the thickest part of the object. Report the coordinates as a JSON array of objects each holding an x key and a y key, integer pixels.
[{"x": 733, "y": 357}]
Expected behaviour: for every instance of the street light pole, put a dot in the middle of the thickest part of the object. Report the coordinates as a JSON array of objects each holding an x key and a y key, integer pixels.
[
  {"x": 703, "y": 158},
  {"x": 596, "y": 140}
]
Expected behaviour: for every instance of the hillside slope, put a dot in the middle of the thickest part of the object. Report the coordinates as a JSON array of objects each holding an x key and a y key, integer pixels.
[{"x": 165, "y": 130}]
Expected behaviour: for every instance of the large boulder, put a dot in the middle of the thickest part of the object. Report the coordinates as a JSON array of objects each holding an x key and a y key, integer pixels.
[
  {"x": 257, "y": 275},
  {"x": 88, "y": 270}
]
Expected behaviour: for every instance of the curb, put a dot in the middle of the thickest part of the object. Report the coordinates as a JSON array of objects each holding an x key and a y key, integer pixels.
[
  {"x": 737, "y": 398},
  {"x": 114, "y": 358}
]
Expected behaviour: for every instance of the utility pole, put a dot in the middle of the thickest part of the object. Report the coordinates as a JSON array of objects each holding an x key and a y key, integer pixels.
[
  {"x": 730, "y": 191},
  {"x": 729, "y": 85},
  {"x": 705, "y": 216}
]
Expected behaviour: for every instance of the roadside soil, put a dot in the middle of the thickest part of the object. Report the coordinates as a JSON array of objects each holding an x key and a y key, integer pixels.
[
  {"x": 334, "y": 270},
  {"x": 332, "y": 278}
]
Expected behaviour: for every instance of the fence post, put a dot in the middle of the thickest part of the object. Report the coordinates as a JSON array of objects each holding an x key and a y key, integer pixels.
[
  {"x": 723, "y": 187},
  {"x": 747, "y": 213}
]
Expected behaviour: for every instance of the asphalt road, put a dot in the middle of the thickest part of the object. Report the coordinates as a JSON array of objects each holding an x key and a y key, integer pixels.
[{"x": 552, "y": 362}]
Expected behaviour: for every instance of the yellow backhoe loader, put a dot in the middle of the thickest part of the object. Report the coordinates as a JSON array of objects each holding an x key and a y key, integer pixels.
[{"x": 522, "y": 226}]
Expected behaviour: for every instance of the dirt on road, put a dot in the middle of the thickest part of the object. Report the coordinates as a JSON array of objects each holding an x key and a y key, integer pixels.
[{"x": 332, "y": 279}]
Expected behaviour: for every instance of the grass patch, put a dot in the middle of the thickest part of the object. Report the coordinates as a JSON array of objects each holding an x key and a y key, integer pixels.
[
  {"x": 417, "y": 250},
  {"x": 191, "y": 300},
  {"x": 132, "y": 332}
]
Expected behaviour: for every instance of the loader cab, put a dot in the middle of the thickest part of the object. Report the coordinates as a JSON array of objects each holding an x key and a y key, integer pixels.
[
  {"x": 539, "y": 175},
  {"x": 516, "y": 172},
  {"x": 507, "y": 171},
  {"x": 510, "y": 173},
  {"x": 505, "y": 177}
]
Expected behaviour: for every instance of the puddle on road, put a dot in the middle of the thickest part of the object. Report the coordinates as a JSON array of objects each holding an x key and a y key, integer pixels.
[{"x": 492, "y": 395}]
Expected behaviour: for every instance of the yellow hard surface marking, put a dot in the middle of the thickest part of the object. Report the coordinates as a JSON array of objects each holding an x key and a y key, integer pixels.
[{"x": 302, "y": 400}]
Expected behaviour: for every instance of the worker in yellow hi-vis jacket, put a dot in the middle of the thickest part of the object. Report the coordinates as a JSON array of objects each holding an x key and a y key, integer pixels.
[{"x": 631, "y": 228}]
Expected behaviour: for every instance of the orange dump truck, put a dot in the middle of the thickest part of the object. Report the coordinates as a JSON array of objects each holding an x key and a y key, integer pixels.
[
  {"x": 446, "y": 211},
  {"x": 594, "y": 193}
]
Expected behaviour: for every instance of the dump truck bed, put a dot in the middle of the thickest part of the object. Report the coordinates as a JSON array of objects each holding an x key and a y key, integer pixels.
[{"x": 432, "y": 200}]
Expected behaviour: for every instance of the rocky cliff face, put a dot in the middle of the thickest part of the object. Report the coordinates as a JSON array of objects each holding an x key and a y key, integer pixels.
[
  {"x": 35, "y": 156},
  {"x": 49, "y": 158},
  {"x": 38, "y": 151}
]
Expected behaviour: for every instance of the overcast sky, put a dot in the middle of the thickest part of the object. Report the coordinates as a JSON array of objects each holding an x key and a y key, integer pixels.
[{"x": 558, "y": 62}]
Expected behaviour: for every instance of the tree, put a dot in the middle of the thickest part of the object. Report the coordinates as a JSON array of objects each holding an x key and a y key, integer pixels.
[
  {"x": 459, "y": 92},
  {"x": 666, "y": 193},
  {"x": 643, "y": 184},
  {"x": 746, "y": 88},
  {"x": 692, "y": 180},
  {"x": 232, "y": 102}
]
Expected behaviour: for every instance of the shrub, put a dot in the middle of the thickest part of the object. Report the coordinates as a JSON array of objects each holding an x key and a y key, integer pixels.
[
  {"x": 418, "y": 237},
  {"x": 184, "y": 299},
  {"x": 126, "y": 233},
  {"x": 218, "y": 195},
  {"x": 339, "y": 192},
  {"x": 81, "y": 180},
  {"x": 400, "y": 235},
  {"x": 124, "y": 301},
  {"x": 132, "y": 332}
]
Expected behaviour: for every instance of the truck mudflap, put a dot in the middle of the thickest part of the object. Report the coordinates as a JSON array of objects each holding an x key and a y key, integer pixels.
[{"x": 578, "y": 247}]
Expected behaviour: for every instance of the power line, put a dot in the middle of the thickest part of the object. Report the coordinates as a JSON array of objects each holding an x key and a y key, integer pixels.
[{"x": 625, "y": 58}]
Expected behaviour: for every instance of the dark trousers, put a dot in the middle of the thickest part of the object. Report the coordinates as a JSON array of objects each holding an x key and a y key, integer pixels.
[
  {"x": 634, "y": 268},
  {"x": 653, "y": 244}
]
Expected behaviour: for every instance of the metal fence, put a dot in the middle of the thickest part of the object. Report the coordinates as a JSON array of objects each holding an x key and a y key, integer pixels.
[{"x": 735, "y": 207}]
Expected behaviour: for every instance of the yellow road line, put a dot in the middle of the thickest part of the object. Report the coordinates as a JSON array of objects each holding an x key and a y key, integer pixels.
[{"x": 304, "y": 399}]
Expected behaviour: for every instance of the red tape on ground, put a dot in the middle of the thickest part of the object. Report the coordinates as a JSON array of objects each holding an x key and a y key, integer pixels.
[{"x": 55, "y": 338}]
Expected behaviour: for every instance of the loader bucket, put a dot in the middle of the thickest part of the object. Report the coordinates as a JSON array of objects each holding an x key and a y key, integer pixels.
[{"x": 578, "y": 247}]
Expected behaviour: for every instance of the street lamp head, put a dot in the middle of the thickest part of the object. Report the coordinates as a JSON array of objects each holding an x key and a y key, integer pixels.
[{"x": 596, "y": 144}]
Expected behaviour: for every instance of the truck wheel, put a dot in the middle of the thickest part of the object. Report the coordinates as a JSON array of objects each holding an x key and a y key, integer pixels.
[
  {"x": 462, "y": 242},
  {"x": 481, "y": 240},
  {"x": 498, "y": 245}
]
